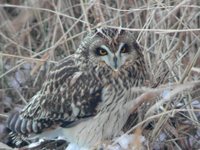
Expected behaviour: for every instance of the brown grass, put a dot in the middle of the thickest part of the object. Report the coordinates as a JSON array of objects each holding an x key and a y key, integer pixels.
[{"x": 35, "y": 35}]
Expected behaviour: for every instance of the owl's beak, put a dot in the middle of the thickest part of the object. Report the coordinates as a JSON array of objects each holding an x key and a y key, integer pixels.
[{"x": 115, "y": 63}]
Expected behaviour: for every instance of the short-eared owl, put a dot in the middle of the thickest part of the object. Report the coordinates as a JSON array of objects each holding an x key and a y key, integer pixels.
[{"x": 86, "y": 98}]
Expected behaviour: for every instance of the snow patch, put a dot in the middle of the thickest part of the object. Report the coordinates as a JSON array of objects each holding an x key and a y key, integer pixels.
[
  {"x": 122, "y": 143},
  {"x": 73, "y": 146}
]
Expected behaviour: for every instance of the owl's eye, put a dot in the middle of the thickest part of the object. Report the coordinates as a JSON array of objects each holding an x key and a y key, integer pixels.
[
  {"x": 101, "y": 52},
  {"x": 125, "y": 49}
]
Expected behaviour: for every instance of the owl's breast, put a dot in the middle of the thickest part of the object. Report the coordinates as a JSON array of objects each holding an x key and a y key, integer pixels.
[
  {"x": 107, "y": 123},
  {"x": 114, "y": 112}
]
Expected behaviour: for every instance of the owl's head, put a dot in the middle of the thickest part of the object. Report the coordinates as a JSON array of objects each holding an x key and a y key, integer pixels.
[{"x": 110, "y": 47}]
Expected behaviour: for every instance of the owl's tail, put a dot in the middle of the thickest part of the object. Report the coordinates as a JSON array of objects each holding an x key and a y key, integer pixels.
[
  {"x": 23, "y": 126},
  {"x": 17, "y": 131},
  {"x": 24, "y": 131},
  {"x": 16, "y": 140}
]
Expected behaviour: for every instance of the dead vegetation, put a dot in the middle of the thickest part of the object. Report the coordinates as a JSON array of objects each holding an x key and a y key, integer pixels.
[{"x": 34, "y": 35}]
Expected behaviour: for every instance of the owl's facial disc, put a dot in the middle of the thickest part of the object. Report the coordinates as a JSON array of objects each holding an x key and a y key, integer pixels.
[{"x": 113, "y": 60}]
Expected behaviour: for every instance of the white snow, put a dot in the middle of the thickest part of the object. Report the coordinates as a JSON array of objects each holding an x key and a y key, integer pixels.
[
  {"x": 166, "y": 95},
  {"x": 121, "y": 143},
  {"x": 73, "y": 146},
  {"x": 196, "y": 103},
  {"x": 125, "y": 140},
  {"x": 32, "y": 145}
]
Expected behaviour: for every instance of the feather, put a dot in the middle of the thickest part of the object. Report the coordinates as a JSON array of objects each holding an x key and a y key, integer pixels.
[{"x": 83, "y": 97}]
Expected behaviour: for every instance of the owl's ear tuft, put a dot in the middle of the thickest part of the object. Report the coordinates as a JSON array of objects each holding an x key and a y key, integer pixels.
[
  {"x": 107, "y": 32},
  {"x": 136, "y": 45},
  {"x": 122, "y": 31},
  {"x": 98, "y": 31}
]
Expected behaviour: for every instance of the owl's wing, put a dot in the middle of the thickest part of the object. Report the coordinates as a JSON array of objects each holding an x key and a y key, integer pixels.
[{"x": 67, "y": 96}]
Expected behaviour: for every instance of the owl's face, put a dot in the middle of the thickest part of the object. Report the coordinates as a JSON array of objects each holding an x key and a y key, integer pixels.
[
  {"x": 110, "y": 48},
  {"x": 114, "y": 56}
]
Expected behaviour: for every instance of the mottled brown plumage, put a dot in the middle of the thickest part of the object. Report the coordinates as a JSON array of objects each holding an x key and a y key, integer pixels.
[{"x": 86, "y": 97}]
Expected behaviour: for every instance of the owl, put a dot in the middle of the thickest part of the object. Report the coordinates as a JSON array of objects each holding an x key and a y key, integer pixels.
[{"x": 86, "y": 98}]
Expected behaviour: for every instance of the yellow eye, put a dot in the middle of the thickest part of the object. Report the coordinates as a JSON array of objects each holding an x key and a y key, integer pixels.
[
  {"x": 101, "y": 52},
  {"x": 125, "y": 49}
]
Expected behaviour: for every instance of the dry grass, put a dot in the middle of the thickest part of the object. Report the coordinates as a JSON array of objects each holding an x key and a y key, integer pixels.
[{"x": 35, "y": 34}]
